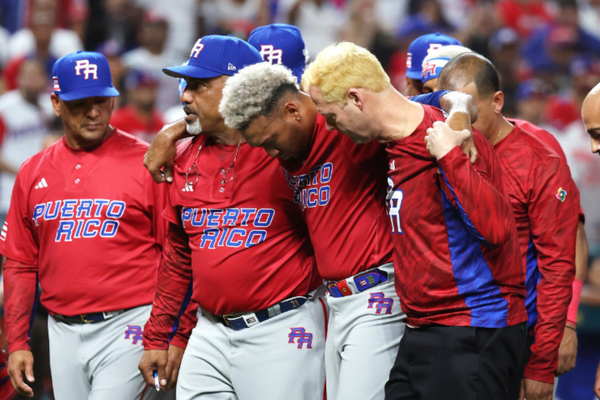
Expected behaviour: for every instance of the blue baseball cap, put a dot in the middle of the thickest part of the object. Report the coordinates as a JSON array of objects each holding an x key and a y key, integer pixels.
[
  {"x": 216, "y": 55},
  {"x": 433, "y": 68},
  {"x": 81, "y": 75},
  {"x": 418, "y": 49},
  {"x": 281, "y": 44}
]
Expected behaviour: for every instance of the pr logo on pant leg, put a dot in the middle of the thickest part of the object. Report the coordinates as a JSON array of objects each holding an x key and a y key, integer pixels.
[
  {"x": 134, "y": 332},
  {"x": 381, "y": 302},
  {"x": 302, "y": 336}
]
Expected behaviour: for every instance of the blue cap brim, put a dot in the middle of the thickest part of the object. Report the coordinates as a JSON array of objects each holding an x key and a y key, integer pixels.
[
  {"x": 191, "y": 71},
  {"x": 298, "y": 72},
  {"x": 85, "y": 92},
  {"x": 414, "y": 75}
]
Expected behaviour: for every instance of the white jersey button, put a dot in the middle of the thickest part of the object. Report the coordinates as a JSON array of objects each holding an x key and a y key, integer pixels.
[
  {"x": 78, "y": 166},
  {"x": 77, "y": 180}
]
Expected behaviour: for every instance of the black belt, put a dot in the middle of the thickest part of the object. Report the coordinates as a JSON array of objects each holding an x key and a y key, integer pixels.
[
  {"x": 240, "y": 321},
  {"x": 88, "y": 318}
]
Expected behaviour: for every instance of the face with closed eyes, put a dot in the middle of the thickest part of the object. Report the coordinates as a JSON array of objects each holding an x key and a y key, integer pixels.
[{"x": 286, "y": 133}]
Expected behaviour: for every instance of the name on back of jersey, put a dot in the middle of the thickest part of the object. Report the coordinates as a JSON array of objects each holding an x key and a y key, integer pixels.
[
  {"x": 228, "y": 227},
  {"x": 312, "y": 189},
  {"x": 81, "y": 218}
]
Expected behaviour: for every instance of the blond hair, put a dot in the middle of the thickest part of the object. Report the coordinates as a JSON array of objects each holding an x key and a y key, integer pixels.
[{"x": 342, "y": 66}]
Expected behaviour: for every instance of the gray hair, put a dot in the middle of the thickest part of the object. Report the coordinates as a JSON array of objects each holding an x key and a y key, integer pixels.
[{"x": 254, "y": 91}]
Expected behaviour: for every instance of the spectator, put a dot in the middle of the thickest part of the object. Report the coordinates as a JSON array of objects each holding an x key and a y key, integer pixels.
[
  {"x": 70, "y": 14},
  {"x": 239, "y": 17},
  {"x": 25, "y": 115},
  {"x": 153, "y": 55},
  {"x": 184, "y": 22},
  {"x": 117, "y": 20},
  {"x": 480, "y": 28},
  {"x": 550, "y": 48},
  {"x": 524, "y": 16},
  {"x": 113, "y": 51},
  {"x": 426, "y": 17},
  {"x": 566, "y": 108},
  {"x": 139, "y": 117},
  {"x": 320, "y": 21},
  {"x": 43, "y": 36},
  {"x": 364, "y": 29},
  {"x": 504, "y": 53},
  {"x": 531, "y": 98}
]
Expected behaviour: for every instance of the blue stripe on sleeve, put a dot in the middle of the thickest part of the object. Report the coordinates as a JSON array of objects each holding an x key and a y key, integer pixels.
[
  {"x": 430, "y": 99},
  {"x": 463, "y": 214},
  {"x": 472, "y": 274},
  {"x": 533, "y": 277},
  {"x": 184, "y": 305}
]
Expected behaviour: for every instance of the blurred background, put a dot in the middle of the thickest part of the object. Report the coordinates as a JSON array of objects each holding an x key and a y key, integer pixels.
[{"x": 548, "y": 53}]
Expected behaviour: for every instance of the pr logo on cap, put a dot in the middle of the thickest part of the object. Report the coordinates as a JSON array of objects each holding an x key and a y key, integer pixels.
[
  {"x": 197, "y": 49},
  {"x": 271, "y": 54},
  {"x": 88, "y": 69}
]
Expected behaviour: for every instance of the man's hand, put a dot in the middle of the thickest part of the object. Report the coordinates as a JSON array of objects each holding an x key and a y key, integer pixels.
[
  {"x": 154, "y": 360},
  {"x": 162, "y": 151},
  {"x": 441, "y": 139},
  {"x": 18, "y": 362},
  {"x": 536, "y": 390},
  {"x": 567, "y": 352},
  {"x": 173, "y": 363},
  {"x": 462, "y": 113}
]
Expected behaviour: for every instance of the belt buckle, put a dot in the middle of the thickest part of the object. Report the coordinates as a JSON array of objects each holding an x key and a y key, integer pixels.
[
  {"x": 226, "y": 318},
  {"x": 85, "y": 321}
]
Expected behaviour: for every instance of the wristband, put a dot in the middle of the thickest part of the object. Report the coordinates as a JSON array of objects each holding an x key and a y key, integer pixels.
[{"x": 572, "y": 313}]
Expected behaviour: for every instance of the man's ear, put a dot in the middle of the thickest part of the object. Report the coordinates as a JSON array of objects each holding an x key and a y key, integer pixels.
[
  {"x": 291, "y": 110},
  {"x": 498, "y": 102},
  {"x": 55, "y": 104},
  {"x": 355, "y": 97}
]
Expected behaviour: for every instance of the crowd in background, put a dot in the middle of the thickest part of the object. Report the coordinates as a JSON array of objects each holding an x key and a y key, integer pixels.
[{"x": 548, "y": 53}]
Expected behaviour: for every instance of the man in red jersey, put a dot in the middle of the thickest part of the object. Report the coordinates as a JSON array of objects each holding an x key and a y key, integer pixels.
[
  {"x": 340, "y": 187},
  {"x": 545, "y": 202},
  {"x": 457, "y": 265},
  {"x": 93, "y": 243},
  {"x": 237, "y": 235}
]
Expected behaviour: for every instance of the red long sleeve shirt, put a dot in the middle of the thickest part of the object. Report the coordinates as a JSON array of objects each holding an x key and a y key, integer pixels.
[
  {"x": 457, "y": 253},
  {"x": 545, "y": 201}
]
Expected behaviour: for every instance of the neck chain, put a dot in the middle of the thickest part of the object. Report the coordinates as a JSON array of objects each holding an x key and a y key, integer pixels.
[
  {"x": 232, "y": 166},
  {"x": 193, "y": 167},
  {"x": 497, "y": 137}
]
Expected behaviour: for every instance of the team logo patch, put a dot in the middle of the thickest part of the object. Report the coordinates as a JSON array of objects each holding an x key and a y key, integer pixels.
[
  {"x": 87, "y": 68},
  {"x": 561, "y": 195},
  {"x": 56, "y": 86},
  {"x": 409, "y": 60},
  {"x": 381, "y": 303},
  {"x": 135, "y": 333},
  {"x": 301, "y": 337}
]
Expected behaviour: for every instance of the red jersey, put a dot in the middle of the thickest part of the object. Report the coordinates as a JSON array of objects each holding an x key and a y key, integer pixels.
[
  {"x": 457, "y": 251},
  {"x": 249, "y": 245},
  {"x": 341, "y": 189},
  {"x": 550, "y": 141},
  {"x": 545, "y": 202},
  {"x": 127, "y": 119},
  {"x": 89, "y": 221}
]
